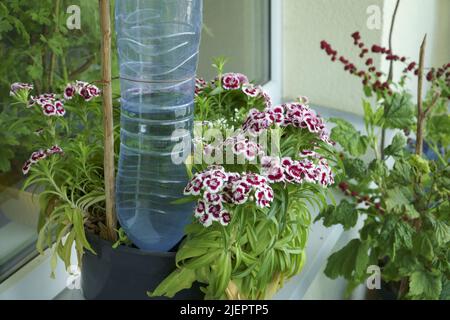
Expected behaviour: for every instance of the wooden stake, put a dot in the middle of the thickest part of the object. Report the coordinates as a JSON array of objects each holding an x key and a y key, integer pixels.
[
  {"x": 420, "y": 110},
  {"x": 105, "y": 21},
  {"x": 390, "y": 76}
]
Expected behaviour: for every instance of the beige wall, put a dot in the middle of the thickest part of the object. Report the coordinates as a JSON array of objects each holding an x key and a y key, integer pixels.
[
  {"x": 415, "y": 19},
  {"x": 308, "y": 71}
]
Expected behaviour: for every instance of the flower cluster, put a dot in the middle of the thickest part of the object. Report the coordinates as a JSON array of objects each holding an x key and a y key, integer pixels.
[
  {"x": 50, "y": 105},
  {"x": 297, "y": 115},
  {"x": 40, "y": 155},
  {"x": 312, "y": 168},
  {"x": 239, "y": 145},
  {"x": 373, "y": 77},
  {"x": 18, "y": 86},
  {"x": 85, "y": 90},
  {"x": 217, "y": 189}
]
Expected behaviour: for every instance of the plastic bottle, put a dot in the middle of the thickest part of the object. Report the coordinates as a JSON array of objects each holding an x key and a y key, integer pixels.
[{"x": 158, "y": 43}]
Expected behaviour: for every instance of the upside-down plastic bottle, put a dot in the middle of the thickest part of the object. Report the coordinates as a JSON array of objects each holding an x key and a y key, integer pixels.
[{"x": 158, "y": 43}]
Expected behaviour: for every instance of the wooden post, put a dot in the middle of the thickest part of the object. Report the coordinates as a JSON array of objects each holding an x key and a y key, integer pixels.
[
  {"x": 420, "y": 109},
  {"x": 105, "y": 21}
]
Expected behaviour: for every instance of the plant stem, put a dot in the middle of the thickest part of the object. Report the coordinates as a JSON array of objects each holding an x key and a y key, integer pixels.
[
  {"x": 390, "y": 76},
  {"x": 403, "y": 288},
  {"x": 420, "y": 111},
  {"x": 111, "y": 219}
]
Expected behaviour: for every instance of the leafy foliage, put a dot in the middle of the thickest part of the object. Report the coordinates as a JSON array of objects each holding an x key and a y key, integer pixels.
[
  {"x": 70, "y": 185},
  {"x": 403, "y": 197},
  {"x": 37, "y": 47},
  {"x": 260, "y": 248}
]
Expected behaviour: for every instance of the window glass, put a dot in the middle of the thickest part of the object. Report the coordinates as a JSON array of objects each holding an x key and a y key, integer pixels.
[{"x": 240, "y": 31}]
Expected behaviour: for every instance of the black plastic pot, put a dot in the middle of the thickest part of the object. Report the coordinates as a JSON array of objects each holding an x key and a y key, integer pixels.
[{"x": 126, "y": 273}]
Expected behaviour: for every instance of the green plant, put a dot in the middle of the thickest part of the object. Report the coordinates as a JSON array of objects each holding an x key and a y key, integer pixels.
[
  {"x": 402, "y": 195},
  {"x": 253, "y": 213},
  {"x": 36, "y": 45},
  {"x": 67, "y": 168},
  {"x": 11, "y": 136}
]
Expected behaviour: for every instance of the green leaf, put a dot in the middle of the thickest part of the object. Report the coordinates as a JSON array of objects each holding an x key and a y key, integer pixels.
[
  {"x": 398, "y": 202},
  {"x": 423, "y": 246},
  {"x": 184, "y": 200},
  {"x": 355, "y": 168},
  {"x": 345, "y": 213},
  {"x": 223, "y": 273},
  {"x": 367, "y": 91},
  {"x": 346, "y": 135},
  {"x": 397, "y": 146},
  {"x": 425, "y": 285},
  {"x": 78, "y": 225},
  {"x": 202, "y": 261},
  {"x": 400, "y": 113},
  {"x": 368, "y": 113},
  {"x": 442, "y": 232},
  {"x": 178, "y": 280},
  {"x": 350, "y": 262},
  {"x": 378, "y": 168},
  {"x": 395, "y": 235},
  {"x": 401, "y": 172}
]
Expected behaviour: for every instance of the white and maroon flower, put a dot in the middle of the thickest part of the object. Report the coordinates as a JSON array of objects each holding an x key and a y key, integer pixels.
[
  {"x": 212, "y": 198},
  {"x": 59, "y": 106},
  {"x": 69, "y": 91},
  {"x": 251, "y": 90},
  {"x": 49, "y": 109},
  {"x": 240, "y": 147},
  {"x": 239, "y": 195},
  {"x": 19, "y": 86},
  {"x": 307, "y": 153},
  {"x": 86, "y": 94},
  {"x": 213, "y": 184},
  {"x": 86, "y": 90},
  {"x": 267, "y": 99},
  {"x": 296, "y": 171},
  {"x": 231, "y": 81},
  {"x": 225, "y": 218},
  {"x": 314, "y": 123},
  {"x": 243, "y": 79},
  {"x": 200, "y": 209},
  {"x": 277, "y": 114},
  {"x": 261, "y": 198},
  {"x": 256, "y": 122},
  {"x": 200, "y": 85},
  {"x": 287, "y": 161},
  {"x": 254, "y": 179},
  {"x": 37, "y": 156},
  {"x": 26, "y": 167},
  {"x": 206, "y": 220},
  {"x": 275, "y": 174},
  {"x": 194, "y": 187},
  {"x": 214, "y": 211},
  {"x": 325, "y": 137},
  {"x": 55, "y": 150},
  {"x": 253, "y": 150}
]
